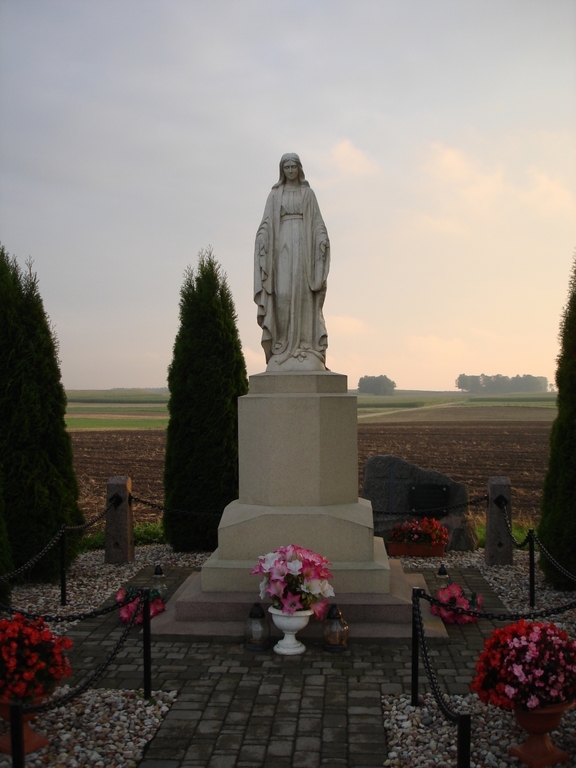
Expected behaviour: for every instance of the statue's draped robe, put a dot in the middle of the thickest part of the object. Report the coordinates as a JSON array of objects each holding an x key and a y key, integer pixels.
[{"x": 292, "y": 259}]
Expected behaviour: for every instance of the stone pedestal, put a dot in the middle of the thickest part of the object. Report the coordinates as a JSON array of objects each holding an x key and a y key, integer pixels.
[{"x": 298, "y": 485}]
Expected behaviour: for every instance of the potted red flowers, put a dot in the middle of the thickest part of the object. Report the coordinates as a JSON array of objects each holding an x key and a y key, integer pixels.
[
  {"x": 32, "y": 663},
  {"x": 418, "y": 538},
  {"x": 530, "y": 667}
]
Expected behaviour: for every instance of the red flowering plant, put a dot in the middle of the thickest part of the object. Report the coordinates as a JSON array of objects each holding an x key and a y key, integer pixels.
[
  {"x": 157, "y": 605},
  {"x": 32, "y": 660},
  {"x": 425, "y": 531},
  {"x": 452, "y": 596},
  {"x": 296, "y": 579},
  {"x": 526, "y": 665}
]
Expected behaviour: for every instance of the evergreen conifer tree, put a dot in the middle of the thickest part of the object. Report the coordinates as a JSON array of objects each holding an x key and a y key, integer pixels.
[
  {"x": 557, "y": 527},
  {"x": 205, "y": 379},
  {"x": 5, "y": 553},
  {"x": 40, "y": 491}
]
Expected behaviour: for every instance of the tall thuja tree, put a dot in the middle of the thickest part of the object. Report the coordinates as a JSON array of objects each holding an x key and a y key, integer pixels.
[
  {"x": 206, "y": 377},
  {"x": 39, "y": 487},
  {"x": 5, "y": 552},
  {"x": 557, "y": 528}
]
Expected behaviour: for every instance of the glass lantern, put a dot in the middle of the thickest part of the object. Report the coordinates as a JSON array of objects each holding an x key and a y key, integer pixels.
[
  {"x": 335, "y": 631},
  {"x": 159, "y": 582},
  {"x": 256, "y": 629}
]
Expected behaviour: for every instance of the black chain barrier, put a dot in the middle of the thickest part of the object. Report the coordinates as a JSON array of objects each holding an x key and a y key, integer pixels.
[
  {"x": 35, "y": 559},
  {"x": 463, "y": 721},
  {"x": 59, "y": 701},
  {"x": 57, "y": 619},
  {"x": 531, "y": 539},
  {"x": 17, "y": 710},
  {"x": 162, "y": 508},
  {"x": 532, "y": 615},
  {"x": 435, "y": 510},
  {"x": 501, "y": 502},
  {"x": 551, "y": 559},
  {"x": 115, "y": 501}
]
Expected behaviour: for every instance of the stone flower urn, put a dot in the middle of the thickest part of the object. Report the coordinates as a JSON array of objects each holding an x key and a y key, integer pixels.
[
  {"x": 538, "y": 750},
  {"x": 290, "y": 624}
]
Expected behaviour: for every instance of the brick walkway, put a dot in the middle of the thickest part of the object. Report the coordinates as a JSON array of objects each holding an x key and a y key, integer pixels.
[{"x": 237, "y": 709}]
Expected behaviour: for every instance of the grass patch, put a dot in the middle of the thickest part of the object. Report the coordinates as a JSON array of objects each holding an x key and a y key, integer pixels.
[
  {"x": 117, "y": 396},
  {"x": 123, "y": 423},
  {"x": 390, "y": 404},
  {"x": 520, "y": 532},
  {"x": 144, "y": 533},
  {"x": 544, "y": 398}
]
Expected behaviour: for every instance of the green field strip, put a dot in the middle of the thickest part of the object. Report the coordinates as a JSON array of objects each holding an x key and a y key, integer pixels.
[
  {"x": 115, "y": 396},
  {"x": 124, "y": 423},
  {"x": 124, "y": 409}
]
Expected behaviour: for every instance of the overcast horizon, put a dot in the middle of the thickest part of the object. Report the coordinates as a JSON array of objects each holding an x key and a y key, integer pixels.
[{"x": 437, "y": 136}]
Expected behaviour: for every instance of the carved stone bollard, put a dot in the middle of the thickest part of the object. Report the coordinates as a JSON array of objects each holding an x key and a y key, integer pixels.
[
  {"x": 119, "y": 542},
  {"x": 499, "y": 548}
]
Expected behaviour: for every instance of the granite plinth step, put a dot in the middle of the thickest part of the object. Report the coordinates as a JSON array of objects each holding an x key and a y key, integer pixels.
[{"x": 222, "y": 615}]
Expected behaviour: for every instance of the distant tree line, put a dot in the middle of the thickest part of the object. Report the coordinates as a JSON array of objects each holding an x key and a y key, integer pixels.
[
  {"x": 376, "y": 385},
  {"x": 499, "y": 385}
]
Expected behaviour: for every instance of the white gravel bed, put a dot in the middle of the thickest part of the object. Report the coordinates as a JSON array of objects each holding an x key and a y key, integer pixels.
[
  {"x": 100, "y": 728},
  {"x": 89, "y": 582},
  {"x": 420, "y": 737}
]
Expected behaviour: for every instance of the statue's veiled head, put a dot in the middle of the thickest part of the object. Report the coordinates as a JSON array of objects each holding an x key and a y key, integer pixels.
[{"x": 291, "y": 157}]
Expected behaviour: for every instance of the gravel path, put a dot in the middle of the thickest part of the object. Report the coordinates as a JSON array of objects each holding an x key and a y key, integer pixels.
[{"x": 98, "y": 728}]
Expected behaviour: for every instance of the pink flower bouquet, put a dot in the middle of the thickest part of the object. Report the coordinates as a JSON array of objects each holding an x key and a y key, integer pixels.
[
  {"x": 127, "y": 611},
  {"x": 452, "y": 596},
  {"x": 296, "y": 579}
]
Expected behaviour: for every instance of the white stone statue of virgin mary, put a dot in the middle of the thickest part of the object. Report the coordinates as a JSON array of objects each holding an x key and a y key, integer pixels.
[{"x": 291, "y": 262}]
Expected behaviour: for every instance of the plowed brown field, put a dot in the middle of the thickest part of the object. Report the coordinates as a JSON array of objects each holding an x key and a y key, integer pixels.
[{"x": 469, "y": 452}]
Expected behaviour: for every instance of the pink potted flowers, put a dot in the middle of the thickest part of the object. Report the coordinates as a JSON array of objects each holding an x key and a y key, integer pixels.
[
  {"x": 452, "y": 596},
  {"x": 157, "y": 604},
  {"x": 296, "y": 579}
]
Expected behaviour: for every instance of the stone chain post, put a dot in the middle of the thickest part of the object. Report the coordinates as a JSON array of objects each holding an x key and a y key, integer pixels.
[
  {"x": 119, "y": 542},
  {"x": 499, "y": 547}
]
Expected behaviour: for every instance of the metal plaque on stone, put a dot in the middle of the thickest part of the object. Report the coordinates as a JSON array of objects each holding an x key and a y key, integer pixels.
[{"x": 428, "y": 497}]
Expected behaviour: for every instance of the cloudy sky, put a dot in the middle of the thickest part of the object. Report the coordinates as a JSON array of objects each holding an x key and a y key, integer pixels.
[{"x": 438, "y": 136}]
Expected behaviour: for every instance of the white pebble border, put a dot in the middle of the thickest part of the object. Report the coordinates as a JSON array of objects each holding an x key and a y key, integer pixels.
[
  {"x": 100, "y": 728},
  {"x": 111, "y": 728},
  {"x": 90, "y": 581},
  {"x": 420, "y": 737}
]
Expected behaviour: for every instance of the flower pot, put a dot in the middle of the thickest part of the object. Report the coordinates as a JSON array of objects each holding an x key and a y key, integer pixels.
[
  {"x": 414, "y": 549},
  {"x": 290, "y": 624},
  {"x": 32, "y": 740},
  {"x": 538, "y": 751}
]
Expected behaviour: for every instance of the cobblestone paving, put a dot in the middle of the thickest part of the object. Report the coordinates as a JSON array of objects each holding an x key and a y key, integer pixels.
[{"x": 237, "y": 709}]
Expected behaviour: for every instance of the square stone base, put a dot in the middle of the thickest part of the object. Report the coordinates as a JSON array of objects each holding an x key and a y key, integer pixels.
[{"x": 369, "y": 576}]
